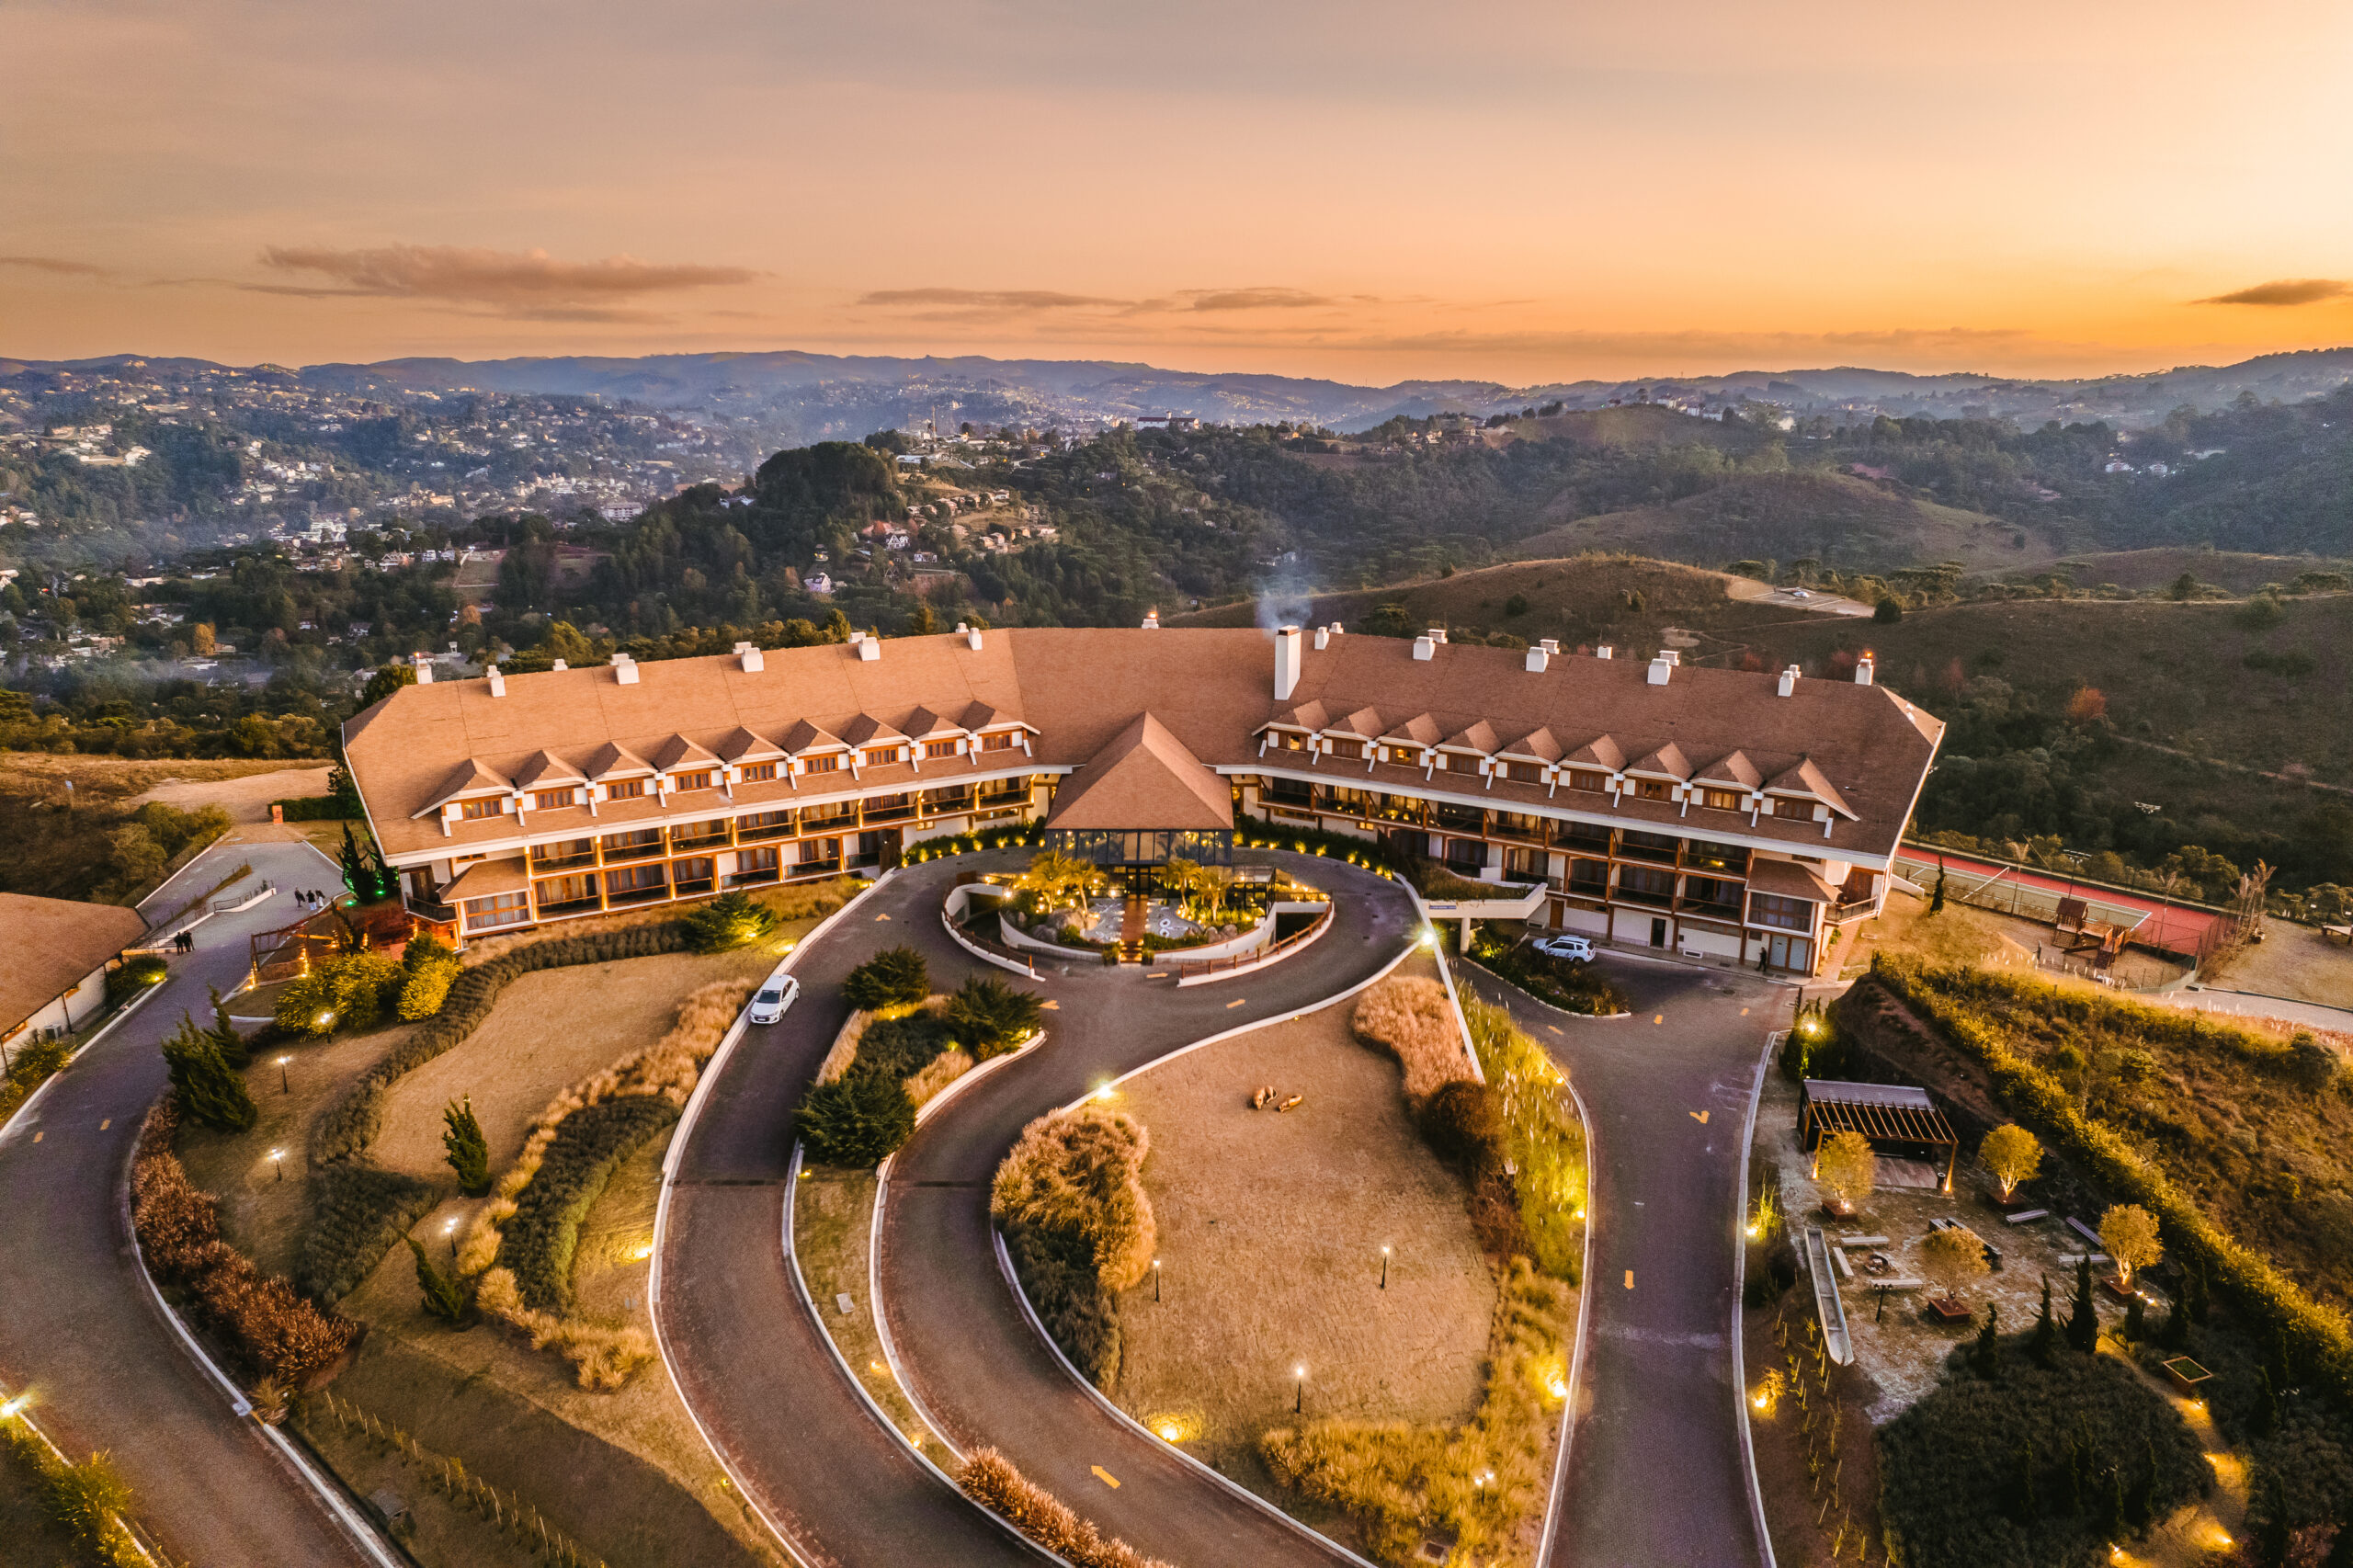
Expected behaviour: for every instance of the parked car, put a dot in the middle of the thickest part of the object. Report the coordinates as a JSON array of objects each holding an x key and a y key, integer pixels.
[
  {"x": 1566, "y": 947},
  {"x": 776, "y": 993}
]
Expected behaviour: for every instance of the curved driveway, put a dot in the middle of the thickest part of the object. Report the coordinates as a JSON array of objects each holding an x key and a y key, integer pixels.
[
  {"x": 80, "y": 1328},
  {"x": 968, "y": 1354},
  {"x": 757, "y": 1371},
  {"x": 1655, "y": 1471}
]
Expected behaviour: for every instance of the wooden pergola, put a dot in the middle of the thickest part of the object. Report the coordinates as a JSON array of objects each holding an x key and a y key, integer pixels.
[{"x": 1896, "y": 1117}]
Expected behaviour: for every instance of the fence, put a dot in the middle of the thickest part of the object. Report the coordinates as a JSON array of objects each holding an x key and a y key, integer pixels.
[
  {"x": 505, "y": 1511},
  {"x": 1186, "y": 969},
  {"x": 2172, "y": 926}
]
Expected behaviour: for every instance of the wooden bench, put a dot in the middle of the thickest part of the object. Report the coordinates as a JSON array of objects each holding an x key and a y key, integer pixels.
[
  {"x": 2072, "y": 1258},
  {"x": 2026, "y": 1215},
  {"x": 1839, "y": 1256},
  {"x": 2083, "y": 1231},
  {"x": 1862, "y": 1241}
]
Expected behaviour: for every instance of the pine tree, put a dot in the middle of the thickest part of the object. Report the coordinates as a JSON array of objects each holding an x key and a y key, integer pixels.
[
  {"x": 2140, "y": 1500},
  {"x": 2136, "y": 1320},
  {"x": 444, "y": 1297},
  {"x": 208, "y": 1088},
  {"x": 2271, "y": 1544},
  {"x": 2264, "y": 1419},
  {"x": 2193, "y": 1293},
  {"x": 2174, "y": 1335},
  {"x": 1937, "y": 899},
  {"x": 1987, "y": 1355},
  {"x": 2046, "y": 1330},
  {"x": 2082, "y": 1323},
  {"x": 2078, "y": 1473},
  {"x": 468, "y": 1149},
  {"x": 233, "y": 1049},
  {"x": 2019, "y": 1499}
]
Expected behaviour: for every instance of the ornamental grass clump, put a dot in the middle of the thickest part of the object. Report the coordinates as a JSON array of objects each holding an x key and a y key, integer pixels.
[
  {"x": 1480, "y": 1480},
  {"x": 989, "y": 1479},
  {"x": 90, "y": 1500},
  {"x": 1410, "y": 1018},
  {"x": 359, "y": 1211},
  {"x": 1545, "y": 1174},
  {"x": 1078, "y": 1226}
]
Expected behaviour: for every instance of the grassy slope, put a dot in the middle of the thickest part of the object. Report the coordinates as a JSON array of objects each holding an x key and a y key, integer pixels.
[
  {"x": 53, "y": 853},
  {"x": 1845, "y": 521},
  {"x": 2236, "y": 570}
]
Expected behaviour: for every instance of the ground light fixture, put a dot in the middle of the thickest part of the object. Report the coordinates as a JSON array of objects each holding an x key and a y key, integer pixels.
[
  {"x": 14, "y": 1407},
  {"x": 283, "y": 1086},
  {"x": 324, "y": 1020},
  {"x": 1384, "y": 1268},
  {"x": 1168, "y": 1431},
  {"x": 1155, "y": 1279},
  {"x": 277, "y": 1159},
  {"x": 1299, "y": 1398}
]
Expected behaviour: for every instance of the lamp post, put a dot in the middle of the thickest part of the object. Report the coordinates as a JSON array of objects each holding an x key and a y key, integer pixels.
[
  {"x": 278, "y": 1160},
  {"x": 450, "y": 1230},
  {"x": 1299, "y": 1398},
  {"x": 283, "y": 1086},
  {"x": 1155, "y": 1279},
  {"x": 1384, "y": 1268}
]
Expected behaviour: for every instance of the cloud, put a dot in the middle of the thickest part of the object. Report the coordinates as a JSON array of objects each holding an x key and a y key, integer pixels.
[
  {"x": 54, "y": 264},
  {"x": 989, "y": 299},
  {"x": 1252, "y": 300},
  {"x": 977, "y": 304},
  {"x": 527, "y": 285},
  {"x": 2283, "y": 291}
]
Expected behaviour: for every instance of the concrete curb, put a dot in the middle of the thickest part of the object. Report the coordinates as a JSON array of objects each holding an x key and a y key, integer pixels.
[
  {"x": 1576, "y": 1358},
  {"x": 1739, "y": 1296},
  {"x": 1013, "y": 1283},
  {"x": 1436, "y": 945}
]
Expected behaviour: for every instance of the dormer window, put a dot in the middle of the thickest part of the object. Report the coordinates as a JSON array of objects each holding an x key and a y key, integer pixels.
[
  {"x": 1524, "y": 772},
  {"x": 1592, "y": 783},
  {"x": 1289, "y": 741},
  {"x": 1003, "y": 740},
  {"x": 625, "y": 789},
  {"x": 933, "y": 750},
  {"x": 702, "y": 778},
  {"x": 1721, "y": 799},
  {"x": 1652, "y": 789},
  {"x": 882, "y": 757},
  {"x": 553, "y": 800},
  {"x": 829, "y": 763},
  {"x": 474, "y": 811},
  {"x": 757, "y": 772}
]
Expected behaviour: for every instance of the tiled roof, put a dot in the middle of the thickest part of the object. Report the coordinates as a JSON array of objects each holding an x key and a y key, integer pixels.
[
  {"x": 1667, "y": 759},
  {"x": 51, "y": 943},
  {"x": 1732, "y": 769},
  {"x": 543, "y": 767},
  {"x": 469, "y": 778},
  {"x": 1862, "y": 749},
  {"x": 1143, "y": 779},
  {"x": 679, "y": 751},
  {"x": 612, "y": 761}
]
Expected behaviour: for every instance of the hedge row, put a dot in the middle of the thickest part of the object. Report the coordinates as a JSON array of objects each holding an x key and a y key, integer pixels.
[
  {"x": 990, "y": 1480},
  {"x": 350, "y": 1125},
  {"x": 2315, "y": 1338},
  {"x": 319, "y": 807},
  {"x": 358, "y": 1212},
  {"x": 1056, "y": 1269},
  {"x": 537, "y": 1242}
]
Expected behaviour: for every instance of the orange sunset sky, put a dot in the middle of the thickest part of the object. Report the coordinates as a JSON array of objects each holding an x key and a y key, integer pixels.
[{"x": 1365, "y": 191}]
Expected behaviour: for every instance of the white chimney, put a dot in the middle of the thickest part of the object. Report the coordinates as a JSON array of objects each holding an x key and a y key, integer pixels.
[
  {"x": 1604, "y": 650},
  {"x": 869, "y": 648},
  {"x": 497, "y": 682},
  {"x": 1438, "y": 635},
  {"x": 1863, "y": 670},
  {"x": 1788, "y": 684},
  {"x": 624, "y": 670},
  {"x": 1551, "y": 645},
  {"x": 1323, "y": 637},
  {"x": 1424, "y": 647},
  {"x": 972, "y": 641},
  {"x": 962, "y": 628},
  {"x": 748, "y": 655},
  {"x": 1661, "y": 668},
  {"x": 1537, "y": 659},
  {"x": 1289, "y": 652},
  {"x": 562, "y": 665},
  {"x": 1336, "y": 629},
  {"x": 1151, "y": 620}
]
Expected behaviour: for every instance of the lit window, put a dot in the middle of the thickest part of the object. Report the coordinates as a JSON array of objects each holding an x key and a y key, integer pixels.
[
  {"x": 1721, "y": 799},
  {"x": 759, "y": 772},
  {"x": 499, "y": 909},
  {"x": 474, "y": 811},
  {"x": 1650, "y": 789}
]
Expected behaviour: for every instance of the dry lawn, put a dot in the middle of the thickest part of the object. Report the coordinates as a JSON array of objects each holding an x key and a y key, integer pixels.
[
  {"x": 1963, "y": 935},
  {"x": 2293, "y": 962},
  {"x": 1272, "y": 1226},
  {"x": 548, "y": 1031},
  {"x": 1411, "y": 1017},
  {"x": 833, "y": 1220},
  {"x": 245, "y": 797}
]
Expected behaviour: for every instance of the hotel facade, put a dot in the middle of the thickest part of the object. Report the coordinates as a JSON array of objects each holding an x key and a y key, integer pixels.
[{"x": 1735, "y": 816}]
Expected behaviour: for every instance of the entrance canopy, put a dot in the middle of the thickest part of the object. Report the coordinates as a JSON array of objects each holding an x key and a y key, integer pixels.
[{"x": 1143, "y": 799}]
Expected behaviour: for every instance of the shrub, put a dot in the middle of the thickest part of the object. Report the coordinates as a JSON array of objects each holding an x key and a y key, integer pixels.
[
  {"x": 2025, "y": 1469},
  {"x": 1057, "y": 1273},
  {"x": 358, "y": 1212},
  {"x": 347, "y": 991},
  {"x": 1570, "y": 984},
  {"x": 134, "y": 975},
  {"x": 266, "y": 1327},
  {"x": 1460, "y": 1123},
  {"x": 945, "y": 1069},
  {"x": 444, "y": 1297},
  {"x": 351, "y": 1123},
  {"x": 538, "y": 1242},
  {"x": 467, "y": 1149},
  {"x": 205, "y": 1087},
  {"x": 428, "y": 968},
  {"x": 1410, "y": 1017},
  {"x": 989, "y": 1016},
  {"x": 730, "y": 921},
  {"x": 1845, "y": 1167},
  {"x": 1479, "y": 1480},
  {"x": 1070, "y": 1197},
  {"x": 858, "y": 1122},
  {"x": 990, "y": 1480},
  {"x": 605, "y": 1357},
  {"x": 896, "y": 977},
  {"x": 1543, "y": 1140},
  {"x": 2013, "y": 1155},
  {"x": 31, "y": 1065},
  {"x": 90, "y": 1500}
]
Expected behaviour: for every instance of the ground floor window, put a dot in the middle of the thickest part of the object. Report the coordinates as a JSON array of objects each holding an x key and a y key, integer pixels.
[
  {"x": 696, "y": 873},
  {"x": 499, "y": 909},
  {"x": 1773, "y": 909},
  {"x": 635, "y": 884},
  {"x": 567, "y": 892},
  {"x": 755, "y": 866}
]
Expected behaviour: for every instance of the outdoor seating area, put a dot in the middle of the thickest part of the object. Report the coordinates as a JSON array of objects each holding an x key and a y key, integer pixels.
[{"x": 1902, "y": 1124}]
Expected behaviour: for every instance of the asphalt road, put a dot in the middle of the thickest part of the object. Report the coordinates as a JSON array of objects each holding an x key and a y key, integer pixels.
[
  {"x": 966, "y": 1351},
  {"x": 1655, "y": 1471},
  {"x": 80, "y": 1329}
]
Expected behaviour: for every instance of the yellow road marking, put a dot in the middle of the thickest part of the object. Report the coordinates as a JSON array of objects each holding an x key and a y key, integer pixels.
[
  {"x": 1744, "y": 1012},
  {"x": 1700, "y": 1117},
  {"x": 37, "y": 1136},
  {"x": 1057, "y": 1006},
  {"x": 882, "y": 918},
  {"x": 1556, "y": 1030},
  {"x": 1658, "y": 1017},
  {"x": 107, "y": 1123},
  {"x": 1629, "y": 1279},
  {"x": 1106, "y": 1477},
  {"x": 1235, "y": 1003}
]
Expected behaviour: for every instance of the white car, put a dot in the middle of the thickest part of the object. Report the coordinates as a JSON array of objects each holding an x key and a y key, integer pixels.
[
  {"x": 1577, "y": 948},
  {"x": 776, "y": 993},
  {"x": 1800, "y": 594}
]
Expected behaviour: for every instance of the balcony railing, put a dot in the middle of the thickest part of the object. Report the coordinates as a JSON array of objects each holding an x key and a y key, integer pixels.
[
  {"x": 842, "y": 821},
  {"x": 889, "y": 814},
  {"x": 1457, "y": 819},
  {"x": 430, "y": 909},
  {"x": 762, "y": 833},
  {"x": 569, "y": 906},
  {"x": 542, "y": 864},
  {"x": 752, "y": 878},
  {"x": 617, "y": 852},
  {"x": 712, "y": 836},
  {"x": 1712, "y": 911}
]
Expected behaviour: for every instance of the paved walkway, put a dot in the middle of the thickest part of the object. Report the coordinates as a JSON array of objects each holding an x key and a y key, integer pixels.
[
  {"x": 81, "y": 1329},
  {"x": 1655, "y": 1471}
]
